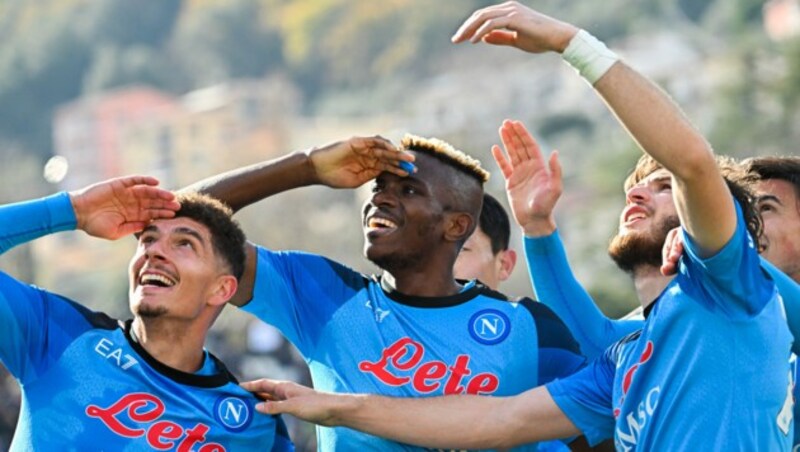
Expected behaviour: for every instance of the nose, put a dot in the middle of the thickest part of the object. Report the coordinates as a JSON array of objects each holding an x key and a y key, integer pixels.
[
  {"x": 637, "y": 194},
  {"x": 155, "y": 250},
  {"x": 383, "y": 197}
]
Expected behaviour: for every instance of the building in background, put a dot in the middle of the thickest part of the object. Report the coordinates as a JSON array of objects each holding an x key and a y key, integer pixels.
[{"x": 782, "y": 19}]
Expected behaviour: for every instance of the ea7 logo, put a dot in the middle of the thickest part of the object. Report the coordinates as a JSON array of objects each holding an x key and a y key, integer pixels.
[
  {"x": 233, "y": 413},
  {"x": 489, "y": 326}
]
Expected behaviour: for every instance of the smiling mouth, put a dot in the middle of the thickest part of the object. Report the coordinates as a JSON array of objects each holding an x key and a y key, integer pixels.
[
  {"x": 155, "y": 280},
  {"x": 380, "y": 226},
  {"x": 635, "y": 217}
]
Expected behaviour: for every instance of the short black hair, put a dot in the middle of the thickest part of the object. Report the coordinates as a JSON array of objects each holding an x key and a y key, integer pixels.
[
  {"x": 495, "y": 224},
  {"x": 783, "y": 168},
  {"x": 227, "y": 237}
]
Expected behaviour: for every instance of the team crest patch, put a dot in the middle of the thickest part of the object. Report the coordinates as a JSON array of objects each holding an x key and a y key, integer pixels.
[
  {"x": 234, "y": 413},
  {"x": 489, "y": 326}
]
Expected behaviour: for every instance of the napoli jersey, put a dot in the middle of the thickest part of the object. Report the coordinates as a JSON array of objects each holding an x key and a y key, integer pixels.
[
  {"x": 358, "y": 337},
  {"x": 556, "y": 286},
  {"x": 708, "y": 371},
  {"x": 88, "y": 385}
]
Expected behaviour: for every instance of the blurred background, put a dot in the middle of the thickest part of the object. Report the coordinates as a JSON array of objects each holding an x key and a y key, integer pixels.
[{"x": 184, "y": 89}]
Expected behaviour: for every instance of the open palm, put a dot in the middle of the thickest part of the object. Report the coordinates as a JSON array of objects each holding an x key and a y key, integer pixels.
[{"x": 533, "y": 187}]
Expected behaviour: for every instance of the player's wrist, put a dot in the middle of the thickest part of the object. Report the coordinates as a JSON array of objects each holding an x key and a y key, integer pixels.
[
  {"x": 539, "y": 228},
  {"x": 589, "y": 56},
  {"x": 343, "y": 409},
  {"x": 78, "y": 207}
]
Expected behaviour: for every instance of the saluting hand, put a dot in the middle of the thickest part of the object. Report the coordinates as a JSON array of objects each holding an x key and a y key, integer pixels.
[
  {"x": 351, "y": 163},
  {"x": 121, "y": 206}
]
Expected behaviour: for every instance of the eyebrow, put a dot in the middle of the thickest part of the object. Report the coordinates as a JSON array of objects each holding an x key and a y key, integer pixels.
[
  {"x": 180, "y": 230},
  {"x": 773, "y": 198},
  {"x": 660, "y": 179},
  {"x": 191, "y": 232}
]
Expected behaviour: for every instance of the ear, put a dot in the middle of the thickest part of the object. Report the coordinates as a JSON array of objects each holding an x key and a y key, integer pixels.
[
  {"x": 224, "y": 289},
  {"x": 507, "y": 260},
  {"x": 458, "y": 226}
]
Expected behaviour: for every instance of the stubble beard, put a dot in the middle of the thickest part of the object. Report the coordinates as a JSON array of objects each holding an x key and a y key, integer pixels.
[
  {"x": 150, "y": 312},
  {"x": 638, "y": 249}
]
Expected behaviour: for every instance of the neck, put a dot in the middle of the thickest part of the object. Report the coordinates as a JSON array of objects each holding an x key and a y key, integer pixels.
[
  {"x": 649, "y": 283},
  {"x": 172, "y": 344},
  {"x": 422, "y": 283}
]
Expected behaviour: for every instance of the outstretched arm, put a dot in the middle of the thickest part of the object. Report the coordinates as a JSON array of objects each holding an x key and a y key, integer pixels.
[
  {"x": 110, "y": 210},
  {"x": 703, "y": 201},
  {"x": 344, "y": 164},
  {"x": 436, "y": 422}
]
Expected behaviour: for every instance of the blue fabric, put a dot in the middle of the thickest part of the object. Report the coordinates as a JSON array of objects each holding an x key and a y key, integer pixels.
[
  {"x": 708, "y": 371},
  {"x": 25, "y": 221},
  {"x": 87, "y": 386},
  {"x": 358, "y": 338},
  {"x": 555, "y": 285}
]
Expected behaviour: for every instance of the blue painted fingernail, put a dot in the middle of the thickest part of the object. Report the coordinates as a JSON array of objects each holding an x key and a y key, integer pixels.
[{"x": 407, "y": 167}]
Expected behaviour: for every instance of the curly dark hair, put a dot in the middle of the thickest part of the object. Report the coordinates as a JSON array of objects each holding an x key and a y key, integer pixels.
[{"x": 227, "y": 236}]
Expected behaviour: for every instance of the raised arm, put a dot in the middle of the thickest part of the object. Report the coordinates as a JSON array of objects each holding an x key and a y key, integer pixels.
[
  {"x": 449, "y": 422},
  {"x": 556, "y": 286},
  {"x": 703, "y": 201},
  {"x": 533, "y": 186},
  {"x": 110, "y": 210},
  {"x": 344, "y": 164}
]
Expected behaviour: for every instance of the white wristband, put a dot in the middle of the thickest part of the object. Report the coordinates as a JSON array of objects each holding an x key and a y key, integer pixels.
[{"x": 589, "y": 56}]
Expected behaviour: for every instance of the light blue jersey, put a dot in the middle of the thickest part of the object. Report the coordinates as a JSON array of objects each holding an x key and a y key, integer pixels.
[
  {"x": 86, "y": 382},
  {"x": 556, "y": 286},
  {"x": 709, "y": 370},
  {"x": 360, "y": 337}
]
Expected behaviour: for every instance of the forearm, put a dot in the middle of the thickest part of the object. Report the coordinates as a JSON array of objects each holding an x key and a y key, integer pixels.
[
  {"x": 655, "y": 122},
  {"x": 556, "y": 286},
  {"x": 29, "y": 220},
  {"x": 458, "y": 422},
  {"x": 241, "y": 187},
  {"x": 658, "y": 125}
]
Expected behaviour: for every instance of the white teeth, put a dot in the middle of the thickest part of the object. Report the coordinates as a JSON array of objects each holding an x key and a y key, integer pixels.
[
  {"x": 376, "y": 222},
  {"x": 151, "y": 278},
  {"x": 636, "y": 216}
]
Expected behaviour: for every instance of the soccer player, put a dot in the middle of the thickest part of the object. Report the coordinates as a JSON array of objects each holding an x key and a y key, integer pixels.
[
  {"x": 776, "y": 185},
  {"x": 414, "y": 330},
  {"x": 90, "y": 382},
  {"x": 714, "y": 339},
  {"x": 555, "y": 284},
  {"x": 485, "y": 255}
]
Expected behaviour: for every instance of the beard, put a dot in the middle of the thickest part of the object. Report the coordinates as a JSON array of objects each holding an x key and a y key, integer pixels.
[
  {"x": 637, "y": 249},
  {"x": 149, "y": 312}
]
